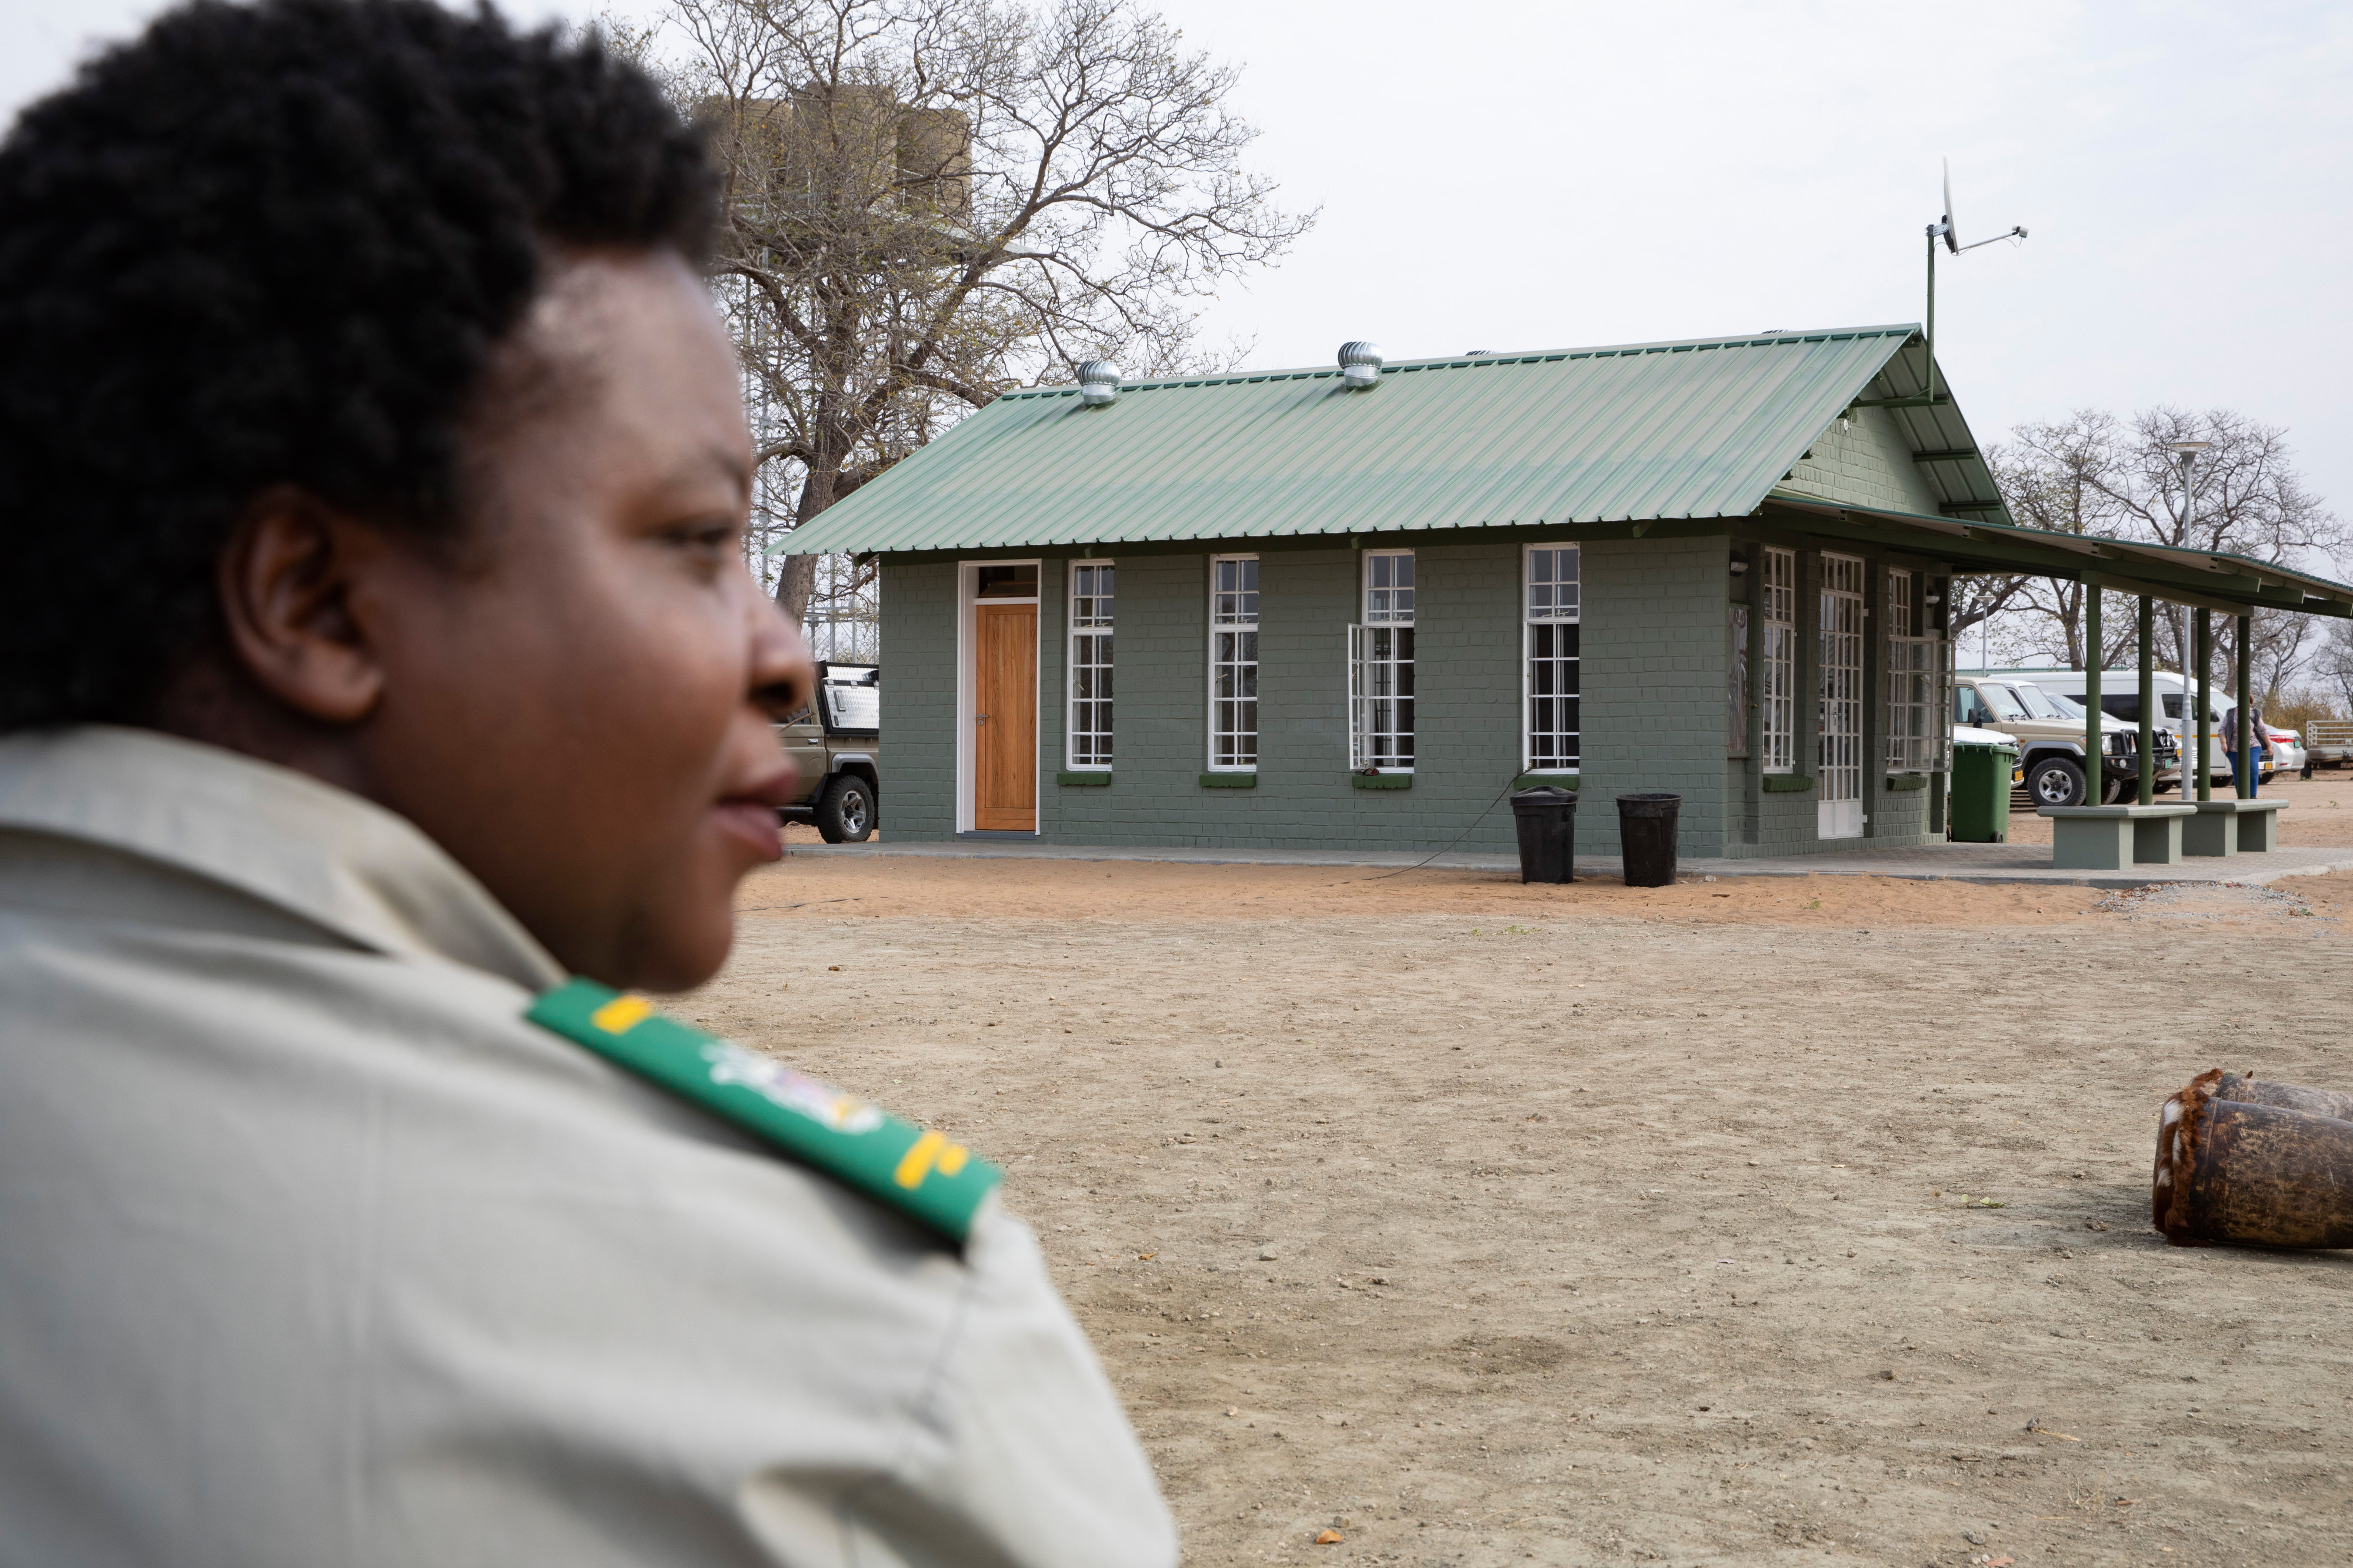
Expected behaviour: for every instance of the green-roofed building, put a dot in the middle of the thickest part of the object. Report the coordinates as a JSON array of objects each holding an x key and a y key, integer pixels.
[{"x": 1348, "y": 607}]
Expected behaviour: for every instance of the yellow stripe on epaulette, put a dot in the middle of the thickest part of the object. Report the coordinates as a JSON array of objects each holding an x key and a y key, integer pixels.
[{"x": 912, "y": 1169}]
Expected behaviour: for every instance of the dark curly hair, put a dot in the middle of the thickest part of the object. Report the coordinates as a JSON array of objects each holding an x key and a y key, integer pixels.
[{"x": 275, "y": 242}]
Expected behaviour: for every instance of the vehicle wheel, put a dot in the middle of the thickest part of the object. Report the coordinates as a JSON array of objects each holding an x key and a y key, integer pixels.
[
  {"x": 2111, "y": 791},
  {"x": 845, "y": 813},
  {"x": 2055, "y": 781}
]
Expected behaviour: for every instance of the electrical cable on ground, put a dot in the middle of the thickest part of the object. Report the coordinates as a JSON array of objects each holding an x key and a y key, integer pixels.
[{"x": 1448, "y": 849}]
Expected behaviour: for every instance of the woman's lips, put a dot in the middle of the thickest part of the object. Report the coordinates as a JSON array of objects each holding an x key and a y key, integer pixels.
[
  {"x": 749, "y": 814},
  {"x": 752, "y": 822}
]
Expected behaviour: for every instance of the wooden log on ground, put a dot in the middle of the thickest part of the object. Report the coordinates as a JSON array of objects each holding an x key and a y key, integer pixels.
[
  {"x": 2286, "y": 1096},
  {"x": 2261, "y": 1175}
]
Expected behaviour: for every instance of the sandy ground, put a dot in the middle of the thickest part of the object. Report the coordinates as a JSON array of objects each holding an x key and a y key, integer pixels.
[
  {"x": 2319, "y": 812},
  {"x": 1761, "y": 1221}
]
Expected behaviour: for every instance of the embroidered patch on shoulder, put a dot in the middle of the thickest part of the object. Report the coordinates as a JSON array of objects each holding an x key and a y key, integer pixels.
[{"x": 912, "y": 1169}]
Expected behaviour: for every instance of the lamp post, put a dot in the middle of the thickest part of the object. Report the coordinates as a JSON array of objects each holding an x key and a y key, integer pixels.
[{"x": 2185, "y": 453}]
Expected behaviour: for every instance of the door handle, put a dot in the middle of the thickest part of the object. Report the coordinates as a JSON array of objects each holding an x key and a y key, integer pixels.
[{"x": 980, "y": 717}]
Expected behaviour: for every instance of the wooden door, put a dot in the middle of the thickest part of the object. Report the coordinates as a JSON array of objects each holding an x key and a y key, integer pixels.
[{"x": 1005, "y": 717}]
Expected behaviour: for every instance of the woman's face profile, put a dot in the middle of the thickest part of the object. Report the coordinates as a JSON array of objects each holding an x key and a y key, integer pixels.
[{"x": 577, "y": 706}]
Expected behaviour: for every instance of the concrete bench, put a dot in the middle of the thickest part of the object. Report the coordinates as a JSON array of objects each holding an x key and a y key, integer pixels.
[
  {"x": 2115, "y": 837},
  {"x": 2232, "y": 827}
]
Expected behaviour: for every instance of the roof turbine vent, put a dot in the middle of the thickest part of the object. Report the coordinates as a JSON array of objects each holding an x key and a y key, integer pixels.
[
  {"x": 1360, "y": 364},
  {"x": 1097, "y": 382}
]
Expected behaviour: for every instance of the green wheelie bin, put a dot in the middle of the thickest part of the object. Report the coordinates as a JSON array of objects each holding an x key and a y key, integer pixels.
[{"x": 1981, "y": 775}]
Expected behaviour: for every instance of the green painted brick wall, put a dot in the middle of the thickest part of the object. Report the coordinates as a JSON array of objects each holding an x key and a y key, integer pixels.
[
  {"x": 1869, "y": 463},
  {"x": 1467, "y": 702},
  {"x": 1653, "y": 651},
  {"x": 1653, "y": 647},
  {"x": 919, "y": 700}
]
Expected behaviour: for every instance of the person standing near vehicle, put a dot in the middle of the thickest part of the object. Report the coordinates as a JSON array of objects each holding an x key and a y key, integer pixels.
[
  {"x": 385, "y": 695},
  {"x": 2258, "y": 744}
]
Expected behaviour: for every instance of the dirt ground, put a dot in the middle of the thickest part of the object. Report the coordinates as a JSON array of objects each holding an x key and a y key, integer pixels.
[
  {"x": 2319, "y": 812},
  {"x": 1759, "y": 1221}
]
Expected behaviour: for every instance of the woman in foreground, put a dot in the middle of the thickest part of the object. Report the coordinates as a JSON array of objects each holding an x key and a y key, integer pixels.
[{"x": 383, "y": 699}]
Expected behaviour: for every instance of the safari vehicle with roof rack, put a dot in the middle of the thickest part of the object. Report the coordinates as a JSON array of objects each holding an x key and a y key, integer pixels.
[
  {"x": 836, "y": 744},
  {"x": 2049, "y": 730}
]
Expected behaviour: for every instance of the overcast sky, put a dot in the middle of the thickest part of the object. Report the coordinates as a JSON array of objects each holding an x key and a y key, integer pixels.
[{"x": 1538, "y": 175}]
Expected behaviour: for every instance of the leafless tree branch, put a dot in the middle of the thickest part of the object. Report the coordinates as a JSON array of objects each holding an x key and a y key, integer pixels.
[{"x": 929, "y": 201}]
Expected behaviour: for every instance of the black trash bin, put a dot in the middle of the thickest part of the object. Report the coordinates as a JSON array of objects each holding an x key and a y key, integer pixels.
[
  {"x": 1646, "y": 837},
  {"x": 1546, "y": 820}
]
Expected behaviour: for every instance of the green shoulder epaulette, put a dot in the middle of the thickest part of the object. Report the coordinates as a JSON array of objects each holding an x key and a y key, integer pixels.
[{"x": 915, "y": 1171}]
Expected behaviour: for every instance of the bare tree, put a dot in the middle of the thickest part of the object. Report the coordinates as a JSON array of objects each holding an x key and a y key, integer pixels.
[
  {"x": 2333, "y": 665},
  {"x": 2092, "y": 474},
  {"x": 931, "y": 201},
  {"x": 1979, "y": 600},
  {"x": 2276, "y": 652},
  {"x": 2246, "y": 499},
  {"x": 2055, "y": 476}
]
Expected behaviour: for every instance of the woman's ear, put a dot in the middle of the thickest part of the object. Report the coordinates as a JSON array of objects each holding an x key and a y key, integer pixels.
[{"x": 288, "y": 582}]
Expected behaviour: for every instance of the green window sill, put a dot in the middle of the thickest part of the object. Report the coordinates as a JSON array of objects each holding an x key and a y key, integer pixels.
[
  {"x": 1230, "y": 780},
  {"x": 1380, "y": 781},
  {"x": 1546, "y": 781},
  {"x": 1788, "y": 784},
  {"x": 1097, "y": 778},
  {"x": 1902, "y": 782}
]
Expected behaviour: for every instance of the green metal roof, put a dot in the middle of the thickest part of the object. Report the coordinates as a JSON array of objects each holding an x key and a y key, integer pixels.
[
  {"x": 2217, "y": 579},
  {"x": 1697, "y": 429}
]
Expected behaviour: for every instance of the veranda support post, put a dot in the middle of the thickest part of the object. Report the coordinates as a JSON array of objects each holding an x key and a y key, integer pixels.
[
  {"x": 2205, "y": 704},
  {"x": 2091, "y": 752},
  {"x": 2148, "y": 701}
]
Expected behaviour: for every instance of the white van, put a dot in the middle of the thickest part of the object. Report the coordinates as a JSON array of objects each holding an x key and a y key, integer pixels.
[{"x": 2120, "y": 699}]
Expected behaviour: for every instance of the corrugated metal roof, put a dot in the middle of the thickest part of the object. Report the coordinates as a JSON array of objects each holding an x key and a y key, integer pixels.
[
  {"x": 2228, "y": 575},
  {"x": 1695, "y": 429}
]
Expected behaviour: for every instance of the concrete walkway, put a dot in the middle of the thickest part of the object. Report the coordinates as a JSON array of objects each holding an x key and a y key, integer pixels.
[{"x": 1927, "y": 862}]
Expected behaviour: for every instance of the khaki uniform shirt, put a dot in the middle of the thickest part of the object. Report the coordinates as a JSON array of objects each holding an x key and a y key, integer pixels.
[{"x": 313, "y": 1252}]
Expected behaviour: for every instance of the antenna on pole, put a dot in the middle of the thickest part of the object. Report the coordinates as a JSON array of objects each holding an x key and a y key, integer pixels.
[{"x": 1944, "y": 229}]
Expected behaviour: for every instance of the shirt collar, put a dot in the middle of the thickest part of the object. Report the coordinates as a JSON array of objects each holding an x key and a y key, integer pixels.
[{"x": 325, "y": 854}]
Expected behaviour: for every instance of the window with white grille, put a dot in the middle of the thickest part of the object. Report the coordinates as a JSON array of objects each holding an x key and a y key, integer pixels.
[
  {"x": 1778, "y": 666},
  {"x": 1915, "y": 680},
  {"x": 1550, "y": 610},
  {"x": 1233, "y": 664},
  {"x": 1838, "y": 726},
  {"x": 1092, "y": 586},
  {"x": 1380, "y": 667}
]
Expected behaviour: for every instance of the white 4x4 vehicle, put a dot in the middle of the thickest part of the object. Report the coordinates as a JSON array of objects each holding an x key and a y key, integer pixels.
[
  {"x": 2120, "y": 696},
  {"x": 2049, "y": 732}
]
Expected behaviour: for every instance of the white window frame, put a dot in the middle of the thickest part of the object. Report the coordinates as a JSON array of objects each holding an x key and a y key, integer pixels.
[
  {"x": 1777, "y": 669},
  {"x": 1841, "y": 702},
  {"x": 1089, "y": 748},
  {"x": 1380, "y": 665},
  {"x": 1534, "y": 618},
  {"x": 1915, "y": 680},
  {"x": 967, "y": 629},
  {"x": 1235, "y": 622}
]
